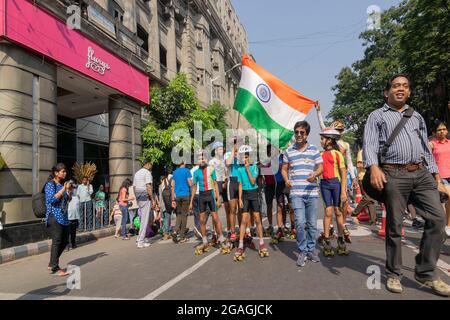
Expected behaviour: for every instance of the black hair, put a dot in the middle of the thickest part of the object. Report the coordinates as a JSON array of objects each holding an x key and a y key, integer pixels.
[
  {"x": 145, "y": 161},
  {"x": 395, "y": 76},
  {"x": 126, "y": 184},
  {"x": 57, "y": 168},
  {"x": 334, "y": 144},
  {"x": 303, "y": 124},
  {"x": 437, "y": 124}
]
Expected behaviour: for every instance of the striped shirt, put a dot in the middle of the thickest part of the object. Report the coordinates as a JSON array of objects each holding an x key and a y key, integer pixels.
[
  {"x": 333, "y": 161},
  {"x": 410, "y": 146},
  {"x": 205, "y": 177},
  {"x": 301, "y": 164}
]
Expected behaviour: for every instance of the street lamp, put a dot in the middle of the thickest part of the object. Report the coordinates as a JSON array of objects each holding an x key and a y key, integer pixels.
[{"x": 229, "y": 70}]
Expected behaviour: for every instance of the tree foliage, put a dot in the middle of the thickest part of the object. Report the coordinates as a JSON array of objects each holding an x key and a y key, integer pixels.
[
  {"x": 171, "y": 108},
  {"x": 413, "y": 39}
]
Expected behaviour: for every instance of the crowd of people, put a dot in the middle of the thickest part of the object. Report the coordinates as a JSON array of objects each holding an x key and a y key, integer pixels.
[{"x": 410, "y": 171}]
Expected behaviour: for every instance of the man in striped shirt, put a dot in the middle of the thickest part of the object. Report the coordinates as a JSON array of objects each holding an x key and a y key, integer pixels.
[
  {"x": 406, "y": 173},
  {"x": 302, "y": 164}
]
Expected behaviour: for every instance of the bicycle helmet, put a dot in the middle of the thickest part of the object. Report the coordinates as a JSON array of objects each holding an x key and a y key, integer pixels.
[
  {"x": 330, "y": 133},
  {"x": 338, "y": 125},
  {"x": 245, "y": 149},
  {"x": 216, "y": 145}
]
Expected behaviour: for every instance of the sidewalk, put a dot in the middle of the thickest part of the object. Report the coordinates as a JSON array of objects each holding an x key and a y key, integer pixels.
[{"x": 30, "y": 249}]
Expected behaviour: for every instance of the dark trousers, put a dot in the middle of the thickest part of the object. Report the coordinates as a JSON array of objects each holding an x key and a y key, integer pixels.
[
  {"x": 73, "y": 231},
  {"x": 420, "y": 188},
  {"x": 60, "y": 239},
  {"x": 182, "y": 214}
]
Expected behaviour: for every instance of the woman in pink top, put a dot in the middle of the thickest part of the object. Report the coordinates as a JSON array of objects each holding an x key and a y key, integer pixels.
[
  {"x": 440, "y": 146},
  {"x": 123, "y": 199}
]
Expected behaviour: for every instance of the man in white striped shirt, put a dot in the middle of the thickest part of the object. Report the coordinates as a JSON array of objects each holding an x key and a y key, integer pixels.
[{"x": 406, "y": 174}]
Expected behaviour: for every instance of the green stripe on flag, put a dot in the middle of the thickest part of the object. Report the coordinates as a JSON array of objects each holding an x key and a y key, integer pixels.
[{"x": 249, "y": 106}]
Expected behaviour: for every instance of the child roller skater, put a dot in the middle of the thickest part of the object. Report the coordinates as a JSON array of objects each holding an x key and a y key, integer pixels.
[
  {"x": 333, "y": 187},
  {"x": 249, "y": 200},
  {"x": 205, "y": 178}
]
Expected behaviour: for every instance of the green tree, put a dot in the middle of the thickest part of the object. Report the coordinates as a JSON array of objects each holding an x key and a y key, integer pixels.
[
  {"x": 413, "y": 39},
  {"x": 171, "y": 108}
]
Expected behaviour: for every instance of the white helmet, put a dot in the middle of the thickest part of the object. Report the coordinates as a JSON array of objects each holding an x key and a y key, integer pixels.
[
  {"x": 331, "y": 133},
  {"x": 245, "y": 149}
]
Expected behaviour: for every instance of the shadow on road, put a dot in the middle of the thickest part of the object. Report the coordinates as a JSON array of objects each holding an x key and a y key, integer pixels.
[
  {"x": 47, "y": 292},
  {"x": 85, "y": 260}
]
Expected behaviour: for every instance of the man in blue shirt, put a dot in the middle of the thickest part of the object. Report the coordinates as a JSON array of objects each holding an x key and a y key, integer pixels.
[
  {"x": 181, "y": 193},
  {"x": 247, "y": 176}
]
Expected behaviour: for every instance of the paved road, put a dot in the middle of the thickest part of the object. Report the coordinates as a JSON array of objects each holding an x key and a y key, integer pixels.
[{"x": 116, "y": 269}]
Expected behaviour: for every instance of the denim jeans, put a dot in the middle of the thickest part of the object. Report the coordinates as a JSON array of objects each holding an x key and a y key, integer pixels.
[
  {"x": 305, "y": 210},
  {"x": 124, "y": 210}
]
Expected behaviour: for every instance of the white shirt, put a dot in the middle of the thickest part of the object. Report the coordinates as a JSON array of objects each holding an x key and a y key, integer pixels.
[
  {"x": 85, "y": 192},
  {"x": 141, "y": 179},
  {"x": 74, "y": 206}
]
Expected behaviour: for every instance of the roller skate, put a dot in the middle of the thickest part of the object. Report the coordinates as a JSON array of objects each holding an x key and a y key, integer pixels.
[
  {"x": 248, "y": 241},
  {"x": 342, "y": 249},
  {"x": 239, "y": 255},
  {"x": 268, "y": 232},
  {"x": 201, "y": 248},
  {"x": 293, "y": 235},
  {"x": 347, "y": 235},
  {"x": 225, "y": 247},
  {"x": 263, "y": 252},
  {"x": 278, "y": 237},
  {"x": 328, "y": 250},
  {"x": 166, "y": 236},
  {"x": 286, "y": 231},
  {"x": 214, "y": 241}
]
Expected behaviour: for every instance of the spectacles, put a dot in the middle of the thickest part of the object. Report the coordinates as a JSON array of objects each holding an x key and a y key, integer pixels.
[{"x": 300, "y": 133}]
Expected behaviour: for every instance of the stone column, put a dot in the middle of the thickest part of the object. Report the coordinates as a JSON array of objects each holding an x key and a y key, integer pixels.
[
  {"x": 171, "y": 47},
  {"x": 17, "y": 69},
  {"x": 122, "y": 145}
]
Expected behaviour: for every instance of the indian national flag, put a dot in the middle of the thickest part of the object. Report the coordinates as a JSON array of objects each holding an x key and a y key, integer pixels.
[{"x": 269, "y": 104}]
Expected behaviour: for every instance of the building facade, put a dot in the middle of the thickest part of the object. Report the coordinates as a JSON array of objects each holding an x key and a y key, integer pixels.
[{"x": 76, "y": 74}]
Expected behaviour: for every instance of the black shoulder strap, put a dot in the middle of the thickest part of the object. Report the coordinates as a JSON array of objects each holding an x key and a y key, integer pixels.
[{"x": 406, "y": 116}]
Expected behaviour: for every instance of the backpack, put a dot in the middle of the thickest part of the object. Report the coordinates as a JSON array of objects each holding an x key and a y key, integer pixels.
[
  {"x": 167, "y": 190},
  {"x": 38, "y": 203}
]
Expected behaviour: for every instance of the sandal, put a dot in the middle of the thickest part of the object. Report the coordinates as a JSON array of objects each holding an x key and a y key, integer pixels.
[{"x": 61, "y": 273}]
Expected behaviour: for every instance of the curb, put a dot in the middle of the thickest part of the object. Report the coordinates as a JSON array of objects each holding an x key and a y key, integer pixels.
[{"x": 31, "y": 249}]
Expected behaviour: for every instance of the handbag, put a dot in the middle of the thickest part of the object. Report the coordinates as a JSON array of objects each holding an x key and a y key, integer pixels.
[{"x": 368, "y": 188}]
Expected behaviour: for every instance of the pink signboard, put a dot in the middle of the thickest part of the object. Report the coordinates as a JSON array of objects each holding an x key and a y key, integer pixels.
[
  {"x": 36, "y": 29},
  {"x": 2, "y": 18}
]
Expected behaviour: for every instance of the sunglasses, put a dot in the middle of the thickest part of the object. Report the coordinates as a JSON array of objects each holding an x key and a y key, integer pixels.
[{"x": 300, "y": 132}]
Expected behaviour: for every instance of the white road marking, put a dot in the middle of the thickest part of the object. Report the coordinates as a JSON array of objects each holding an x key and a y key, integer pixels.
[{"x": 181, "y": 276}]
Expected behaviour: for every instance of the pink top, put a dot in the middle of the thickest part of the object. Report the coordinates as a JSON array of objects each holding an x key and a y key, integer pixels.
[
  {"x": 441, "y": 152},
  {"x": 122, "y": 197}
]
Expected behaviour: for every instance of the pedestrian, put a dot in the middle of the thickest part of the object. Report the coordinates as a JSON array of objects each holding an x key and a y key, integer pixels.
[
  {"x": 196, "y": 207},
  {"x": 100, "y": 204},
  {"x": 333, "y": 187},
  {"x": 85, "y": 191},
  {"x": 143, "y": 185},
  {"x": 74, "y": 216},
  {"x": 404, "y": 170},
  {"x": 302, "y": 164},
  {"x": 269, "y": 185},
  {"x": 232, "y": 164},
  {"x": 123, "y": 199},
  {"x": 116, "y": 214},
  {"x": 249, "y": 202},
  {"x": 208, "y": 198},
  {"x": 366, "y": 201},
  {"x": 132, "y": 209},
  {"x": 165, "y": 191},
  {"x": 282, "y": 207},
  {"x": 181, "y": 193},
  {"x": 57, "y": 197},
  {"x": 440, "y": 145}
]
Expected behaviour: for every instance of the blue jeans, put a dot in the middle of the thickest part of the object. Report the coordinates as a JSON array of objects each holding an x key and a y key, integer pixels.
[
  {"x": 124, "y": 210},
  {"x": 305, "y": 210}
]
